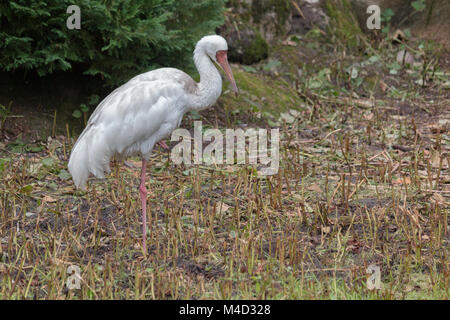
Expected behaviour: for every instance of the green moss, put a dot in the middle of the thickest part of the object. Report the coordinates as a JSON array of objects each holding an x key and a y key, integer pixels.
[
  {"x": 257, "y": 51},
  {"x": 282, "y": 8},
  {"x": 283, "y": 11},
  {"x": 270, "y": 95},
  {"x": 289, "y": 58},
  {"x": 258, "y": 10},
  {"x": 344, "y": 26},
  {"x": 241, "y": 9}
]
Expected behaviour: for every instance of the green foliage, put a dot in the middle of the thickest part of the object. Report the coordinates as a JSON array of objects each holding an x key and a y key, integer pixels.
[
  {"x": 117, "y": 38},
  {"x": 77, "y": 114},
  {"x": 84, "y": 109},
  {"x": 387, "y": 15},
  {"x": 418, "y": 5}
]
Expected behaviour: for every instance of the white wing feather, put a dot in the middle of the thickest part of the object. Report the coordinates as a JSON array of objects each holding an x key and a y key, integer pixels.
[{"x": 131, "y": 120}]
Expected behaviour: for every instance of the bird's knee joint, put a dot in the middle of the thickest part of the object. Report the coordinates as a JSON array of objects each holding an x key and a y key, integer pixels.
[{"x": 143, "y": 190}]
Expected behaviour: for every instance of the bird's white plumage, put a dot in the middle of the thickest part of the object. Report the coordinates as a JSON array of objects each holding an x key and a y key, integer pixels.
[{"x": 143, "y": 111}]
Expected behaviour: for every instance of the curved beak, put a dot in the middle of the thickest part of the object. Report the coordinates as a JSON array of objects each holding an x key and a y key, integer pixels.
[{"x": 222, "y": 59}]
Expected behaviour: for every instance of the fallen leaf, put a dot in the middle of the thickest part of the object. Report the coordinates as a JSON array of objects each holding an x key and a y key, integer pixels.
[
  {"x": 398, "y": 35},
  {"x": 64, "y": 175},
  {"x": 383, "y": 85},
  {"x": 222, "y": 208},
  {"x": 49, "y": 199},
  {"x": 314, "y": 187},
  {"x": 438, "y": 199},
  {"x": 289, "y": 43},
  {"x": 326, "y": 229},
  {"x": 435, "y": 159},
  {"x": 401, "y": 181},
  {"x": 405, "y": 56},
  {"x": 34, "y": 168}
]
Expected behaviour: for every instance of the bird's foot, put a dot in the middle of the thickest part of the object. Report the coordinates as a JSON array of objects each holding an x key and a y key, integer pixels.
[{"x": 163, "y": 145}]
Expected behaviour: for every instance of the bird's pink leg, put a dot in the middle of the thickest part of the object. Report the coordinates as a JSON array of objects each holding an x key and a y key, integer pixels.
[
  {"x": 163, "y": 144},
  {"x": 143, "y": 192}
]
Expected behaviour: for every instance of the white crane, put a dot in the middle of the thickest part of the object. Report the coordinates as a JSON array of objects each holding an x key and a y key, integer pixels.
[{"x": 145, "y": 110}]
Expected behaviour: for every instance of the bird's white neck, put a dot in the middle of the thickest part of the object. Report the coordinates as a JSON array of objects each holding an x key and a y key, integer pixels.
[{"x": 210, "y": 85}]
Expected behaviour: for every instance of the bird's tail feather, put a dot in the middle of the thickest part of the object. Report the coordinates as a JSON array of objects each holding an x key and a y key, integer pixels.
[
  {"x": 89, "y": 155},
  {"x": 78, "y": 163}
]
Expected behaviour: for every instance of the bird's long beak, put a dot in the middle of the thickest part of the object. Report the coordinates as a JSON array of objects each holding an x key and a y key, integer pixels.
[{"x": 222, "y": 59}]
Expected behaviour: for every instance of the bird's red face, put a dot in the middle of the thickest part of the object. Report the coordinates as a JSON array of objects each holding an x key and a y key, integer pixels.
[{"x": 221, "y": 57}]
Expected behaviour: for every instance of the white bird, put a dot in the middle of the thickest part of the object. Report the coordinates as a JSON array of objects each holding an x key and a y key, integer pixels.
[{"x": 145, "y": 110}]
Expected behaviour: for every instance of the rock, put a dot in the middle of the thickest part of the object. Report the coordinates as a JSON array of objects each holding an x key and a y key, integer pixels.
[
  {"x": 404, "y": 56},
  {"x": 272, "y": 18},
  {"x": 251, "y": 25},
  {"x": 306, "y": 15}
]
